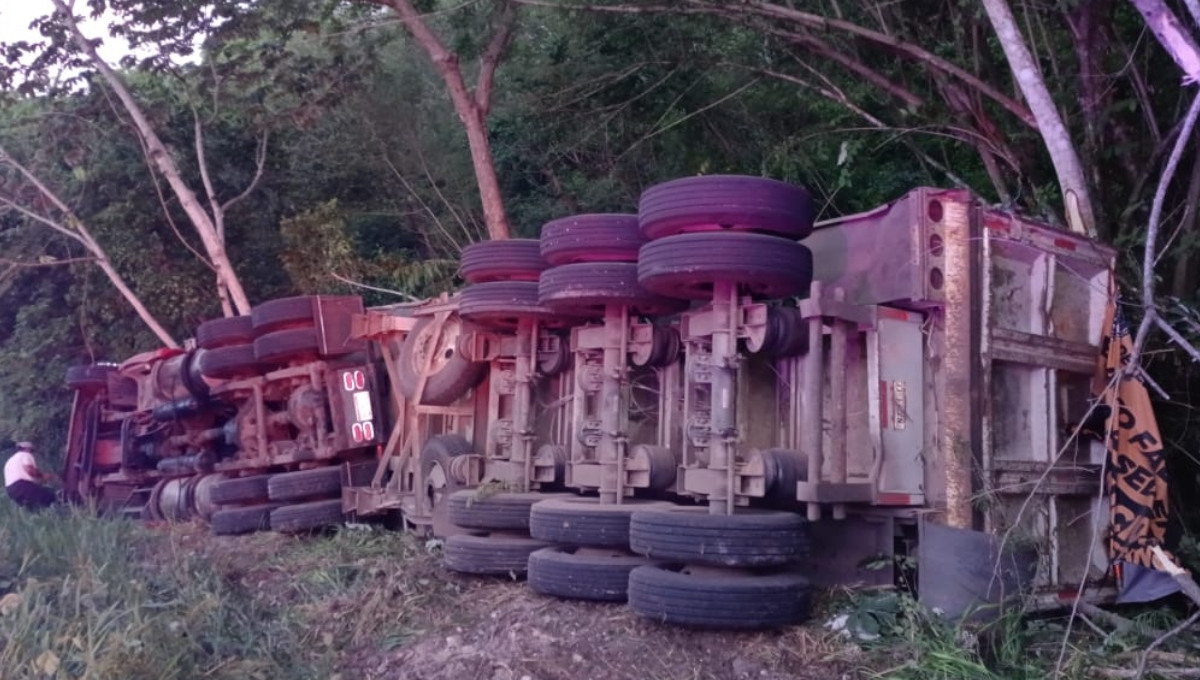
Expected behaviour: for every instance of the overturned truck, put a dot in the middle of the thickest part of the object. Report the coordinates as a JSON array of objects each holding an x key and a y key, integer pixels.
[{"x": 705, "y": 409}]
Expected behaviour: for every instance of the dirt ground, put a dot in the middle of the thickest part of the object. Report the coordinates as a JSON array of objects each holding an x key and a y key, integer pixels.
[
  {"x": 468, "y": 628},
  {"x": 507, "y": 632}
]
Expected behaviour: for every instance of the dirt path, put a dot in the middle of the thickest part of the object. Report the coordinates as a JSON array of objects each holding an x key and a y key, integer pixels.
[{"x": 393, "y": 612}]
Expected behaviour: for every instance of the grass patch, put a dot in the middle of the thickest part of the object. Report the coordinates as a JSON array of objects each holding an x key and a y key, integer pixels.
[{"x": 85, "y": 597}]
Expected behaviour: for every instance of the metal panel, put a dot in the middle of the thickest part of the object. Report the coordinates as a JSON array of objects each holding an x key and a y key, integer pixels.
[{"x": 896, "y": 359}]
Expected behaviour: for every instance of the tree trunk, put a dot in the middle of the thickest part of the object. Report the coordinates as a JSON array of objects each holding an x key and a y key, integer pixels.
[
  {"x": 1071, "y": 178},
  {"x": 471, "y": 110},
  {"x": 1172, "y": 35},
  {"x": 214, "y": 246}
]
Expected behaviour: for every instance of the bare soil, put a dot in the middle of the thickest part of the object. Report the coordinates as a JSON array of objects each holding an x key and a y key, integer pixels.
[{"x": 403, "y": 617}]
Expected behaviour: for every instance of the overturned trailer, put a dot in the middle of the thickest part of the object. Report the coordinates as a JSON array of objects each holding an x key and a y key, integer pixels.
[{"x": 704, "y": 408}]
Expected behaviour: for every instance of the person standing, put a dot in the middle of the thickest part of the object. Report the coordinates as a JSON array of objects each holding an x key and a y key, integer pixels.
[{"x": 22, "y": 477}]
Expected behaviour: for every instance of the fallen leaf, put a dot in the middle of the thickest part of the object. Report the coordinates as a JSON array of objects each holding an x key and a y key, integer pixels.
[
  {"x": 47, "y": 662},
  {"x": 9, "y": 603}
]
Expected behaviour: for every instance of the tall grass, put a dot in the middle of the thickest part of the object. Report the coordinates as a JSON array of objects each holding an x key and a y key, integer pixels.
[{"x": 84, "y": 597}]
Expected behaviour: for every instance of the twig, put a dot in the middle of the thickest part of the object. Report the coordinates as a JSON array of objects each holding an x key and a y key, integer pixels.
[
  {"x": 364, "y": 286},
  {"x": 1166, "y": 636},
  {"x": 1160, "y": 672},
  {"x": 1177, "y": 338},
  {"x": 1115, "y": 620}
]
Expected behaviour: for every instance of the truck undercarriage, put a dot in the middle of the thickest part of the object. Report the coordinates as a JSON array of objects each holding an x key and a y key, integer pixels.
[{"x": 705, "y": 409}]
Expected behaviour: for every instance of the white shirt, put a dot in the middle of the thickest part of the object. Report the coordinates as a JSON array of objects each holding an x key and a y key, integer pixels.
[{"x": 14, "y": 469}]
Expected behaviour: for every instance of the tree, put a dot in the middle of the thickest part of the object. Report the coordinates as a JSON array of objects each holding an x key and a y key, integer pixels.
[
  {"x": 472, "y": 107},
  {"x": 208, "y": 226}
]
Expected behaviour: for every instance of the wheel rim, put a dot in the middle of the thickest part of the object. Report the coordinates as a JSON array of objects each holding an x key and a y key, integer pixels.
[{"x": 437, "y": 345}]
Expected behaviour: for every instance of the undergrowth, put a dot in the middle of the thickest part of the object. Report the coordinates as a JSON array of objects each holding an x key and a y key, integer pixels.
[
  {"x": 84, "y": 597},
  {"x": 909, "y": 642}
]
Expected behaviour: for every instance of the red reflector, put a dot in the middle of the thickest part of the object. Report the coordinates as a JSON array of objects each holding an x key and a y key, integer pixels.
[
  {"x": 368, "y": 429},
  {"x": 348, "y": 381},
  {"x": 1065, "y": 244},
  {"x": 357, "y": 432},
  {"x": 360, "y": 380}
]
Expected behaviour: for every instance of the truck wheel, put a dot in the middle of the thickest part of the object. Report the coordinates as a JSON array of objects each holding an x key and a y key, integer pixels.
[
  {"x": 239, "y": 490},
  {"x": 787, "y": 333},
  {"x": 305, "y": 516},
  {"x": 489, "y": 554},
  {"x": 234, "y": 330},
  {"x": 436, "y": 459},
  {"x": 585, "y": 522},
  {"x": 501, "y": 305},
  {"x": 517, "y": 259},
  {"x": 450, "y": 376},
  {"x": 290, "y": 486},
  {"x": 585, "y": 289},
  {"x": 498, "y": 511},
  {"x": 232, "y": 521},
  {"x": 289, "y": 312},
  {"x": 582, "y": 573},
  {"x": 226, "y": 363},
  {"x": 724, "y": 203},
  {"x": 782, "y": 469},
  {"x": 591, "y": 238},
  {"x": 664, "y": 349},
  {"x": 749, "y": 538},
  {"x": 713, "y": 598},
  {"x": 686, "y": 266},
  {"x": 89, "y": 376},
  {"x": 289, "y": 344}
]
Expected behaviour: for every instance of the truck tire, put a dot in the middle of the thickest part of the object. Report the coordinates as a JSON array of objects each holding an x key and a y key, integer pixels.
[
  {"x": 499, "y": 511},
  {"x": 782, "y": 469},
  {"x": 290, "y": 486},
  {"x": 725, "y": 203},
  {"x": 582, "y": 573},
  {"x": 749, "y": 538},
  {"x": 225, "y": 363},
  {"x": 234, "y": 330},
  {"x": 280, "y": 347},
  {"x": 451, "y": 374},
  {"x": 501, "y": 305},
  {"x": 306, "y": 516},
  {"x": 487, "y": 554},
  {"x": 585, "y": 289},
  {"x": 289, "y": 312},
  {"x": 713, "y": 598},
  {"x": 591, "y": 238},
  {"x": 89, "y": 376},
  {"x": 517, "y": 259},
  {"x": 438, "y": 483},
  {"x": 686, "y": 266},
  {"x": 584, "y": 522},
  {"x": 244, "y": 520},
  {"x": 240, "y": 490},
  {"x": 787, "y": 333}
]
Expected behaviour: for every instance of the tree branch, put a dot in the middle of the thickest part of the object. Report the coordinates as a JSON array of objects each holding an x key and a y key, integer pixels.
[
  {"x": 201, "y": 161},
  {"x": 260, "y": 162},
  {"x": 76, "y": 230},
  {"x": 1150, "y": 312},
  {"x": 824, "y": 49},
  {"x": 491, "y": 58},
  {"x": 813, "y": 21}
]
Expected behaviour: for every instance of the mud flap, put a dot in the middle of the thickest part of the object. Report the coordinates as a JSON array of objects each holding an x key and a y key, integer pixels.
[{"x": 961, "y": 572}]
